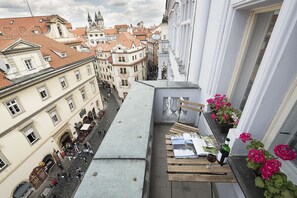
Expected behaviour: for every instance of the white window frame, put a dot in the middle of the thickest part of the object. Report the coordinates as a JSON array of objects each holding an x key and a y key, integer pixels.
[
  {"x": 71, "y": 104},
  {"x": 4, "y": 160},
  {"x": 63, "y": 81},
  {"x": 43, "y": 89},
  {"x": 124, "y": 82},
  {"x": 30, "y": 130},
  {"x": 54, "y": 116},
  {"x": 239, "y": 83},
  {"x": 11, "y": 107},
  {"x": 93, "y": 86},
  {"x": 89, "y": 70},
  {"x": 123, "y": 71},
  {"x": 29, "y": 63},
  {"x": 83, "y": 93},
  {"x": 77, "y": 75}
]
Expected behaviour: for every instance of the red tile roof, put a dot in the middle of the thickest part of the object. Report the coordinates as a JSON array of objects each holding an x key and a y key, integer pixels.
[
  {"x": 4, "y": 82},
  {"x": 80, "y": 31},
  {"x": 110, "y": 31},
  {"x": 48, "y": 46},
  {"x": 24, "y": 25}
]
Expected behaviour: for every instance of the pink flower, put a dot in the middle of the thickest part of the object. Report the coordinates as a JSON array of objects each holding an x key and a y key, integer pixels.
[
  {"x": 226, "y": 117},
  {"x": 218, "y": 105},
  {"x": 245, "y": 136},
  {"x": 256, "y": 156},
  {"x": 210, "y": 101},
  {"x": 270, "y": 166},
  {"x": 214, "y": 116},
  {"x": 228, "y": 104},
  {"x": 284, "y": 152}
]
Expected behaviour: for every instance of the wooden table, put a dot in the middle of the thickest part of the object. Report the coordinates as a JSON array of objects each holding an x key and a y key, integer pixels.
[{"x": 194, "y": 169}]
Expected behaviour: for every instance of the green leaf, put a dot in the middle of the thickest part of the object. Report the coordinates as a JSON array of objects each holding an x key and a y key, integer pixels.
[{"x": 259, "y": 182}]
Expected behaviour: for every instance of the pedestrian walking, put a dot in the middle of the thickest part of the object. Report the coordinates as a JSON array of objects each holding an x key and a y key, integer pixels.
[
  {"x": 88, "y": 145},
  {"x": 76, "y": 149},
  {"x": 61, "y": 167},
  {"x": 54, "y": 181},
  {"x": 85, "y": 159}
]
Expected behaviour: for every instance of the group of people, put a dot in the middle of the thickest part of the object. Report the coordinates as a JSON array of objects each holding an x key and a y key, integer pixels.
[{"x": 102, "y": 132}]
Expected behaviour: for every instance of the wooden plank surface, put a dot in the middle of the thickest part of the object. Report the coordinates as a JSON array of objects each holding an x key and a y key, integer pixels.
[
  {"x": 191, "y": 108},
  {"x": 202, "y": 178},
  {"x": 199, "y": 169},
  {"x": 192, "y": 103},
  {"x": 195, "y": 169}
]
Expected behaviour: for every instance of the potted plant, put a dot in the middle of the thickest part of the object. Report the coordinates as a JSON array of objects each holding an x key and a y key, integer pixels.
[
  {"x": 267, "y": 168},
  {"x": 223, "y": 113}
]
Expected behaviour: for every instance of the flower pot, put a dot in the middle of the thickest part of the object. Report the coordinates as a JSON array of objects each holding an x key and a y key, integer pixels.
[{"x": 224, "y": 127}]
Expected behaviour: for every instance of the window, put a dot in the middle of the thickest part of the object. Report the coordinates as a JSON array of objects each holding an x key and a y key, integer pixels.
[
  {"x": 140, "y": 55},
  {"x": 47, "y": 58},
  {"x": 31, "y": 134},
  {"x": 136, "y": 78},
  {"x": 13, "y": 107},
  {"x": 135, "y": 68},
  {"x": 123, "y": 70},
  {"x": 43, "y": 92},
  {"x": 91, "y": 35},
  {"x": 83, "y": 93},
  {"x": 96, "y": 35},
  {"x": 93, "y": 86},
  {"x": 89, "y": 69},
  {"x": 29, "y": 64},
  {"x": 135, "y": 57},
  {"x": 54, "y": 116},
  {"x": 3, "y": 162},
  {"x": 164, "y": 37},
  {"x": 63, "y": 82},
  {"x": 124, "y": 82},
  {"x": 120, "y": 59},
  {"x": 132, "y": 57},
  {"x": 71, "y": 104},
  {"x": 77, "y": 75},
  {"x": 257, "y": 40},
  {"x": 101, "y": 34}
]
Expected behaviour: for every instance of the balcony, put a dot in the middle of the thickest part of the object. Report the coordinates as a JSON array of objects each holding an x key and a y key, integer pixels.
[{"x": 131, "y": 160}]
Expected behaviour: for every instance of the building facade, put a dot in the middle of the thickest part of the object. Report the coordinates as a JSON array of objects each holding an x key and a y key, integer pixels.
[
  {"x": 121, "y": 62},
  {"x": 43, "y": 83},
  {"x": 163, "y": 51},
  {"x": 244, "y": 49}
]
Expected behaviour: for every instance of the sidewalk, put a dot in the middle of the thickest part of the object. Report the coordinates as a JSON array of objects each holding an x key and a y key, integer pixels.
[{"x": 67, "y": 187}]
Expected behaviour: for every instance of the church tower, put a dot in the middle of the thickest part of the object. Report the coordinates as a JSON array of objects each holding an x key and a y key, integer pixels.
[
  {"x": 100, "y": 22},
  {"x": 89, "y": 20}
]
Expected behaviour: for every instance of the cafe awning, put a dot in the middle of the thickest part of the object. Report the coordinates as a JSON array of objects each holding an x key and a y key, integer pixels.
[
  {"x": 21, "y": 190},
  {"x": 85, "y": 127}
]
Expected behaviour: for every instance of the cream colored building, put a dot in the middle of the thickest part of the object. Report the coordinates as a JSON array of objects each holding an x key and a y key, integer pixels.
[
  {"x": 121, "y": 62},
  {"x": 45, "y": 88}
]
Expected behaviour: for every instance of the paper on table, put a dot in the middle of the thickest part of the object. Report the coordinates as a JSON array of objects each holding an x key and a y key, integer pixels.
[
  {"x": 198, "y": 144},
  {"x": 183, "y": 153}
]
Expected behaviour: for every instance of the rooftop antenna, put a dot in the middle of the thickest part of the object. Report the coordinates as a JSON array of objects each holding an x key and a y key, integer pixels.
[{"x": 32, "y": 17}]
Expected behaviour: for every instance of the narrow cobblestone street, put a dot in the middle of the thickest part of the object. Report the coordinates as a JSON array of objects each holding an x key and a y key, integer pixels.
[{"x": 67, "y": 186}]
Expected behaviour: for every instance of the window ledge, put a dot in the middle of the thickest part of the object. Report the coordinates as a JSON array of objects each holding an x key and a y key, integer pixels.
[{"x": 245, "y": 177}]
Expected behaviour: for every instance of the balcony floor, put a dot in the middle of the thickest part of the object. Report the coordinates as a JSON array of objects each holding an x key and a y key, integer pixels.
[{"x": 160, "y": 186}]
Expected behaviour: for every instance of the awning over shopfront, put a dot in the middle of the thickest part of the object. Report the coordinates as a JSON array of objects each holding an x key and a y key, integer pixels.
[
  {"x": 21, "y": 190},
  {"x": 85, "y": 127}
]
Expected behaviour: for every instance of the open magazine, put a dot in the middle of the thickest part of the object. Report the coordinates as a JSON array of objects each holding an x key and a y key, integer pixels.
[{"x": 191, "y": 146}]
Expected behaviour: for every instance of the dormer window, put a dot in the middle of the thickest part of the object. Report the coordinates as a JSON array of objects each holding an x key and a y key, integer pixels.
[
  {"x": 47, "y": 58},
  {"x": 11, "y": 22},
  {"x": 29, "y": 64},
  {"x": 60, "y": 54}
]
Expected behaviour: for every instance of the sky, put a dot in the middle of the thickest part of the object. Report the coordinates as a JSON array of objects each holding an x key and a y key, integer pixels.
[{"x": 76, "y": 11}]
